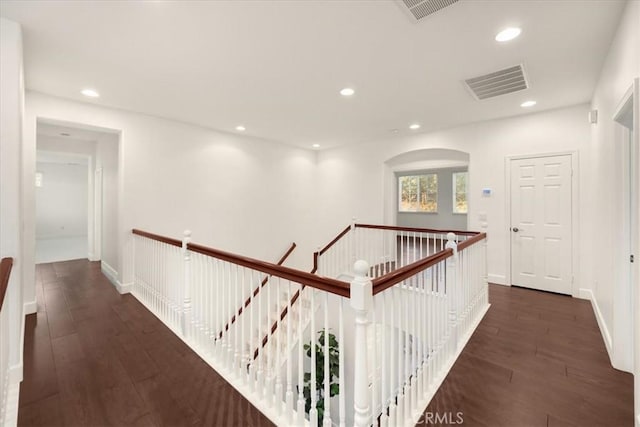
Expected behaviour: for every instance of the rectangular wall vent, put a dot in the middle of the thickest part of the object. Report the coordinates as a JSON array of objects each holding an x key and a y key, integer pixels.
[
  {"x": 423, "y": 8},
  {"x": 499, "y": 83}
]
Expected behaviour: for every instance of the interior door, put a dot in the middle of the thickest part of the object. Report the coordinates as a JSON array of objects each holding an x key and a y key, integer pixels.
[{"x": 541, "y": 203}]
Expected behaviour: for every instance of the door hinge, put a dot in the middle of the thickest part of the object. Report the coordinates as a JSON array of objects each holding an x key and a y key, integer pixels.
[{"x": 631, "y": 258}]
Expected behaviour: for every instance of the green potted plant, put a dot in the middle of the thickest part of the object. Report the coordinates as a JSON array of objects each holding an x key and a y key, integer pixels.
[{"x": 334, "y": 367}]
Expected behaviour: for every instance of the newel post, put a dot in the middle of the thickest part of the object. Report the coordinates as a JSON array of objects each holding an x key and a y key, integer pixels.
[
  {"x": 361, "y": 301},
  {"x": 452, "y": 288},
  {"x": 186, "y": 302}
]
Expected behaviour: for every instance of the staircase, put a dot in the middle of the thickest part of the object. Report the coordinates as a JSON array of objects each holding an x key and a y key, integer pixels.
[{"x": 398, "y": 303}]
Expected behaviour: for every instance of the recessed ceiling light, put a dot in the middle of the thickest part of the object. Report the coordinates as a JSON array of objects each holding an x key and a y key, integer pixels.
[
  {"x": 347, "y": 91},
  {"x": 316, "y": 145},
  {"x": 414, "y": 126},
  {"x": 91, "y": 93},
  {"x": 527, "y": 104},
  {"x": 240, "y": 128},
  {"x": 508, "y": 34}
]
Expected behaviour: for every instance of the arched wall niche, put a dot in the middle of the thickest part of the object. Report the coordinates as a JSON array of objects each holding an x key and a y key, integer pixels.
[{"x": 417, "y": 160}]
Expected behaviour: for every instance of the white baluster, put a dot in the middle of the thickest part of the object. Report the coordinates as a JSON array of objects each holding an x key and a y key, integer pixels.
[
  {"x": 186, "y": 299},
  {"x": 361, "y": 300},
  {"x": 278, "y": 335},
  {"x": 342, "y": 391},
  {"x": 326, "y": 421},
  {"x": 451, "y": 289},
  {"x": 289, "y": 393},
  {"x": 301, "y": 402},
  {"x": 313, "y": 412}
]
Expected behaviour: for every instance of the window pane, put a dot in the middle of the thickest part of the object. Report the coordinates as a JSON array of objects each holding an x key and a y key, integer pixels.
[
  {"x": 429, "y": 193},
  {"x": 408, "y": 186},
  {"x": 418, "y": 193},
  {"x": 460, "y": 192}
]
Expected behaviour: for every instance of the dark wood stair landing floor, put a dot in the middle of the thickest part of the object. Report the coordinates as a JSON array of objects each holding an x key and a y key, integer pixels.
[
  {"x": 536, "y": 359},
  {"x": 93, "y": 357}
]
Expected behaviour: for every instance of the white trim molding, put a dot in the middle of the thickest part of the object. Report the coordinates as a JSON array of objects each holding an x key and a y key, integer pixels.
[
  {"x": 124, "y": 288},
  {"x": 14, "y": 377},
  {"x": 112, "y": 275},
  {"x": 30, "y": 307},
  {"x": 588, "y": 294},
  {"x": 497, "y": 279}
]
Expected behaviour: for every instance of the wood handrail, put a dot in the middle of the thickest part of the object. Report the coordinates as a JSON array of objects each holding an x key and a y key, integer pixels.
[
  {"x": 158, "y": 238},
  {"x": 388, "y": 280},
  {"x": 335, "y": 240},
  {"x": 478, "y": 237},
  {"x": 5, "y": 272},
  {"x": 256, "y": 291},
  {"x": 327, "y": 284},
  {"x": 414, "y": 229}
]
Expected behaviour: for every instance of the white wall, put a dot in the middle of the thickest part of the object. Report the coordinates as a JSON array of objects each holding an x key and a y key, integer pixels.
[
  {"x": 353, "y": 177},
  {"x": 236, "y": 193},
  {"x": 61, "y": 202},
  {"x": 11, "y": 114},
  {"x": 107, "y": 165},
  {"x": 621, "y": 66}
]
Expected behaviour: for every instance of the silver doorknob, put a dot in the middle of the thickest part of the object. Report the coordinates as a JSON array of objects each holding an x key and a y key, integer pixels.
[{"x": 515, "y": 229}]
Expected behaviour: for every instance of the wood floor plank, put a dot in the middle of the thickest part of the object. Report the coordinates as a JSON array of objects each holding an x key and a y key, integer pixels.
[
  {"x": 560, "y": 370},
  {"x": 93, "y": 357}
]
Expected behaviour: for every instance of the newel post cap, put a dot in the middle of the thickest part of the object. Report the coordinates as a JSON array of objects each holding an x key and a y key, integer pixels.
[
  {"x": 451, "y": 242},
  {"x": 361, "y": 287}
]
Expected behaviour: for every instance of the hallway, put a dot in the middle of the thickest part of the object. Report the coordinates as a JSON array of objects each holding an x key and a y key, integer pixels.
[
  {"x": 536, "y": 359},
  {"x": 93, "y": 357}
]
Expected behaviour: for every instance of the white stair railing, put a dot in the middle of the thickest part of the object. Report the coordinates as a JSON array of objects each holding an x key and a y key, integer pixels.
[
  {"x": 421, "y": 315},
  {"x": 312, "y": 350},
  {"x": 197, "y": 290},
  {"x": 385, "y": 248}
]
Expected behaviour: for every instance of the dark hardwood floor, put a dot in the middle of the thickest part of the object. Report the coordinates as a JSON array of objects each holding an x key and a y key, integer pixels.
[
  {"x": 536, "y": 359},
  {"x": 93, "y": 357}
]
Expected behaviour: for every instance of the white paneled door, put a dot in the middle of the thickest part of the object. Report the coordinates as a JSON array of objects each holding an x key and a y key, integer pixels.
[{"x": 541, "y": 247}]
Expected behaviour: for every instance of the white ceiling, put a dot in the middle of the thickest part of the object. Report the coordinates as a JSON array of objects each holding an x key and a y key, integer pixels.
[
  {"x": 59, "y": 131},
  {"x": 276, "y": 66}
]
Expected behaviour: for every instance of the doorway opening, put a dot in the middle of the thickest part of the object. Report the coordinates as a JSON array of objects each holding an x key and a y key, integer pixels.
[{"x": 76, "y": 193}]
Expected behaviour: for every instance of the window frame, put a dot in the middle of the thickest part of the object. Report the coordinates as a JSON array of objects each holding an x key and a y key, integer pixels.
[
  {"x": 418, "y": 176},
  {"x": 454, "y": 192}
]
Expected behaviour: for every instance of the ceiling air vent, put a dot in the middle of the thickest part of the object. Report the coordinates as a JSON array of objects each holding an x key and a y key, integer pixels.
[
  {"x": 499, "y": 83},
  {"x": 423, "y": 8}
]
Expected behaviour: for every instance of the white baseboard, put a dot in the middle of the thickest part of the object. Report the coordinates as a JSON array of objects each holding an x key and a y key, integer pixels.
[
  {"x": 124, "y": 288},
  {"x": 110, "y": 272},
  {"x": 498, "y": 279},
  {"x": 30, "y": 307},
  {"x": 588, "y": 294},
  {"x": 15, "y": 373},
  {"x": 112, "y": 275},
  {"x": 14, "y": 377}
]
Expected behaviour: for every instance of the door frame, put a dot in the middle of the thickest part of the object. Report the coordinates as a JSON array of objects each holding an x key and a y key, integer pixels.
[
  {"x": 575, "y": 235},
  {"x": 624, "y": 300}
]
